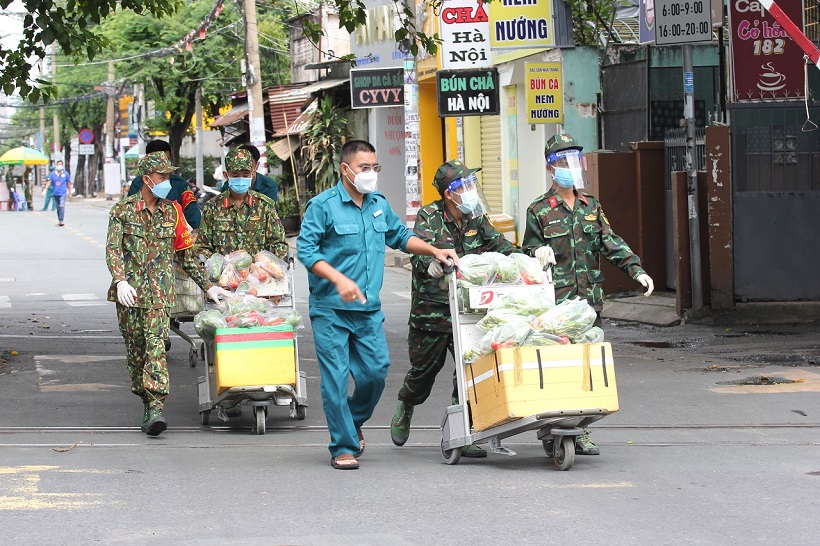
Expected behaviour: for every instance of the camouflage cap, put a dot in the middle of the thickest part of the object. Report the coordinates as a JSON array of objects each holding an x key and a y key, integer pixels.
[
  {"x": 450, "y": 171},
  {"x": 155, "y": 162},
  {"x": 239, "y": 160},
  {"x": 559, "y": 142}
]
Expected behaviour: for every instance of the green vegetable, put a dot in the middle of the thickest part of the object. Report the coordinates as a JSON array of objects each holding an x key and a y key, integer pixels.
[
  {"x": 206, "y": 323},
  {"x": 214, "y": 266},
  {"x": 593, "y": 335},
  {"x": 570, "y": 318}
]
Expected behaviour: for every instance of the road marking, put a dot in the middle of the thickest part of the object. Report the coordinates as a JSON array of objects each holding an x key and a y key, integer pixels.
[
  {"x": 23, "y": 484},
  {"x": 405, "y": 295},
  {"x": 6, "y": 279},
  {"x": 47, "y": 380},
  {"x": 5, "y": 301},
  {"x": 83, "y": 300}
]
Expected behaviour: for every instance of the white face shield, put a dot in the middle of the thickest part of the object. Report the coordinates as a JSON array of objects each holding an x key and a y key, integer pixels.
[
  {"x": 570, "y": 168},
  {"x": 464, "y": 192}
]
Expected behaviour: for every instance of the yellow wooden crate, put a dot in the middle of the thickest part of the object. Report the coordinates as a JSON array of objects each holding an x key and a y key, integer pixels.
[
  {"x": 250, "y": 357},
  {"x": 518, "y": 382}
]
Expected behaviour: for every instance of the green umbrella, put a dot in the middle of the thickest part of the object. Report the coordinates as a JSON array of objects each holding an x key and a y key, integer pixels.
[{"x": 23, "y": 156}]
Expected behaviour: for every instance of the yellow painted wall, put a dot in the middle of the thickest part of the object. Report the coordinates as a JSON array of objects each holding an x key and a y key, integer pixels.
[
  {"x": 431, "y": 137},
  {"x": 472, "y": 143}
]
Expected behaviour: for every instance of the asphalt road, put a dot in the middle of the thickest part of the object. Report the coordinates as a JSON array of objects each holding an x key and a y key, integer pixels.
[{"x": 694, "y": 456}]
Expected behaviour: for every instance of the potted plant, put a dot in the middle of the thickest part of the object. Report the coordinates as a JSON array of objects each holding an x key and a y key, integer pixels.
[{"x": 288, "y": 208}]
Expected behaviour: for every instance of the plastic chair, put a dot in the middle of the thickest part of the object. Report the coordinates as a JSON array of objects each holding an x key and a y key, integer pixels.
[{"x": 19, "y": 204}]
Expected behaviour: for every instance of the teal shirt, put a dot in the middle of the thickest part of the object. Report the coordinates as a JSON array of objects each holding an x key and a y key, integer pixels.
[{"x": 350, "y": 239}]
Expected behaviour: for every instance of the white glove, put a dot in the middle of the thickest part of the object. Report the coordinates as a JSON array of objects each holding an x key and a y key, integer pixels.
[
  {"x": 126, "y": 294},
  {"x": 545, "y": 255},
  {"x": 215, "y": 291},
  {"x": 435, "y": 270},
  {"x": 646, "y": 281},
  {"x": 43, "y": 192}
]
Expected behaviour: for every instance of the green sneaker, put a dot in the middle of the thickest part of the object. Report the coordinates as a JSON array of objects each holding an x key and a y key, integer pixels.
[
  {"x": 472, "y": 451},
  {"x": 584, "y": 446},
  {"x": 400, "y": 426},
  {"x": 156, "y": 423},
  {"x": 235, "y": 410}
]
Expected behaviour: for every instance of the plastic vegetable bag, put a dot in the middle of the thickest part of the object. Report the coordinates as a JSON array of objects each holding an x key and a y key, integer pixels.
[
  {"x": 478, "y": 269},
  {"x": 271, "y": 264},
  {"x": 240, "y": 259},
  {"x": 593, "y": 335},
  {"x": 508, "y": 334},
  {"x": 501, "y": 315},
  {"x": 230, "y": 277},
  {"x": 206, "y": 323},
  {"x": 532, "y": 304},
  {"x": 570, "y": 318},
  {"x": 243, "y": 304},
  {"x": 506, "y": 268},
  {"x": 529, "y": 269},
  {"x": 214, "y": 266}
]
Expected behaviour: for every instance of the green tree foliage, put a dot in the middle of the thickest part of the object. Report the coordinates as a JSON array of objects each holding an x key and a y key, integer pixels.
[
  {"x": 322, "y": 140},
  {"x": 71, "y": 25}
]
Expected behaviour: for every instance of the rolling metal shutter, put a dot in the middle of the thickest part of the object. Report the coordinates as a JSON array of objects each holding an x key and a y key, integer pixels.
[{"x": 491, "y": 163}]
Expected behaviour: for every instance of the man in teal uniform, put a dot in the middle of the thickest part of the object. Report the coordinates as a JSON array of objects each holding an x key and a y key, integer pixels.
[
  {"x": 456, "y": 221},
  {"x": 568, "y": 228},
  {"x": 341, "y": 243},
  {"x": 180, "y": 190},
  {"x": 259, "y": 182}
]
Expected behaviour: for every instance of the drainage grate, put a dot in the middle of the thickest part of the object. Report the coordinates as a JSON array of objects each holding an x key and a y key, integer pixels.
[{"x": 758, "y": 380}]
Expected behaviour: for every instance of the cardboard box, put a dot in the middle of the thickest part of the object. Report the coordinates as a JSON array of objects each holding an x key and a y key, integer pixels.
[
  {"x": 248, "y": 357},
  {"x": 481, "y": 297},
  {"x": 523, "y": 381}
]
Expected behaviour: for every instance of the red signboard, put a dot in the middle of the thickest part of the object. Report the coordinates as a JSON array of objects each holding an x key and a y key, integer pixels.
[{"x": 767, "y": 64}]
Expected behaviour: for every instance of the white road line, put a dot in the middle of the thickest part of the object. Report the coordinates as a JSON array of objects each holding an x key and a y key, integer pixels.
[
  {"x": 405, "y": 295},
  {"x": 6, "y": 279},
  {"x": 83, "y": 300},
  {"x": 5, "y": 301}
]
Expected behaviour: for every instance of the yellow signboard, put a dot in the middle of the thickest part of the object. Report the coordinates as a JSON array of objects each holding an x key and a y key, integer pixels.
[
  {"x": 521, "y": 23},
  {"x": 545, "y": 93}
]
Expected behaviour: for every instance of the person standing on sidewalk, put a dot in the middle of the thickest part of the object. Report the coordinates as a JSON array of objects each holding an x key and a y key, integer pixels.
[
  {"x": 59, "y": 183},
  {"x": 456, "y": 221},
  {"x": 341, "y": 243},
  {"x": 145, "y": 233},
  {"x": 48, "y": 191},
  {"x": 568, "y": 228}
]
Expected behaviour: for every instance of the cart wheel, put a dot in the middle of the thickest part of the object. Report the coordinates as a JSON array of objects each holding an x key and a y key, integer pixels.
[
  {"x": 549, "y": 445},
  {"x": 564, "y": 453},
  {"x": 205, "y": 417},
  {"x": 202, "y": 351},
  {"x": 300, "y": 412},
  {"x": 261, "y": 416},
  {"x": 451, "y": 456},
  {"x": 192, "y": 357}
]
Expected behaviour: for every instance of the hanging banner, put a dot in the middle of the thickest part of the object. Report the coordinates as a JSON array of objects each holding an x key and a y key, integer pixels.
[
  {"x": 376, "y": 87},
  {"x": 646, "y": 21},
  {"x": 465, "y": 35},
  {"x": 521, "y": 24},
  {"x": 467, "y": 92},
  {"x": 767, "y": 64},
  {"x": 545, "y": 93}
]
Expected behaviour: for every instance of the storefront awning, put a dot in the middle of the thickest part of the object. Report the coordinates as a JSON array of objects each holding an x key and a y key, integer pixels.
[
  {"x": 297, "y": 125},
  {"x": 285, "y": 147},
  {"x": 231, "y": 116}
]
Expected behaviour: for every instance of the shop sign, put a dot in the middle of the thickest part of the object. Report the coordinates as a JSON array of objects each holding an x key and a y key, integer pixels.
[
  {"x": 467, "y": 92},
  {"x": 465, "y": 34},
  {"x": 545, "y": 93},
  {"x": 521, "y": 23},
  {"x": 376, "y": 87},
  {"x": 766, "y": 63}
]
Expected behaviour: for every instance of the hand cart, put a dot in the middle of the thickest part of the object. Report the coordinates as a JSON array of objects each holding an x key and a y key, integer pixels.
[
  {"x": 188, "y": 301},
  {"x": 557, "y": 412},
  {"x": 216, "y": 396}
]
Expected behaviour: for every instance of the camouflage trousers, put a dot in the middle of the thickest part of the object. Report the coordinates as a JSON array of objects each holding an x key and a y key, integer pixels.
[
  {"x": 145, "y": 331},
  {"x": 428, "y": 351}
]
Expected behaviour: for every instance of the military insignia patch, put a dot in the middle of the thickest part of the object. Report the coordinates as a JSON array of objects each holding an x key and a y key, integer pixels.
[
  {"x": 604, "y": 218},
  {"x": 553, "y": 202},
  {"x": 255, "y": 218},
  {"x": 470, "y": 233},
  {"x": 590, "y": 217},
  {"x": 168, "y": 224}
]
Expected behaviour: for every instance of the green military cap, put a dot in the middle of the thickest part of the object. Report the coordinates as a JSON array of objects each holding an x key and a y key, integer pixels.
[
  {"x": 239, "y": 160},
  {"x": 559, "y": 142},
  {"x": 155, "y": 162},
  {"x": 449, "y": 171}
]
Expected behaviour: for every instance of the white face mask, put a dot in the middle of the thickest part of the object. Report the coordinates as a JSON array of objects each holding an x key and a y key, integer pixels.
[{"x": 366, "y": 182}]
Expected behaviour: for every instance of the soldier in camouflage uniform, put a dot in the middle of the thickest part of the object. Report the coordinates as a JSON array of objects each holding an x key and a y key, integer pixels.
[
  {"x": 240, "y": 218},
  {"x": 450, "y": 222},
  {"x": 568, "y": 228},
  {"x": 145, "y": 233}
]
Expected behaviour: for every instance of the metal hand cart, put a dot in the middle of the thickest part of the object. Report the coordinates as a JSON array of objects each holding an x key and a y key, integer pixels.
[
  {"x": 189, "y": 301},
  {"x": 556, "y": 428},
  {"x": 259, "y": 397}
]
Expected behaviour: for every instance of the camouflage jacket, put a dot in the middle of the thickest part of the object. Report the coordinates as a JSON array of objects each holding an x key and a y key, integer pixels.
[
  {"x": 252, "y": 227},
  {"x": 181, "y": 193},
  {"x": 141, "y": 248},
  {"x": 429, "y": 306},
  {"x": 578, "y": 237}
]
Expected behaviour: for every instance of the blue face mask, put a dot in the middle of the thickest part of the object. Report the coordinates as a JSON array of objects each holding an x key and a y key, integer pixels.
[
  {"x": 239, "y": 185},
  {"x": 469, "y": 202},
  {"x": 564, "y": 177},
  {"x": 162, "y": 189}
]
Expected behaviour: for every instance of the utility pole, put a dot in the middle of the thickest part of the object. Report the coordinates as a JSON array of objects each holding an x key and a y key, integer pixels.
[
  {"x": 200, "y": 175},
  {"x": 109, "y": 119},
  {"x": 692, "y": 177},
  {"x": 412, "y": 151},
  {"x": 55, "y": 120},
  {"x": 253, "y": 81}
]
